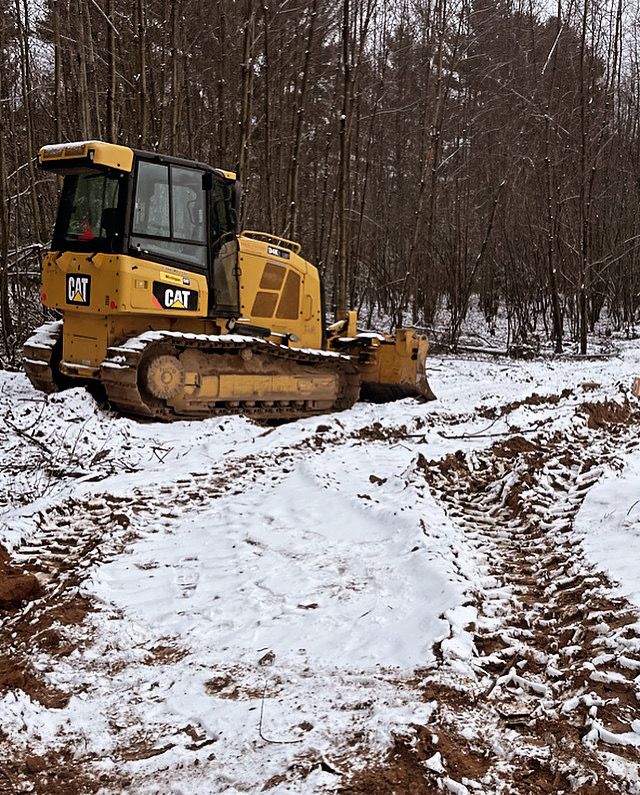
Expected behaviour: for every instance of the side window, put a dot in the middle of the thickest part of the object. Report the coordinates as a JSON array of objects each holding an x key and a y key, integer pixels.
[
  {"x": 90, "y": 202},
  {"x": 169, "y": 214},
  {"x": 151, "y": 213},
  {"x": 221, "y": 220},
  {"x": 187, "y": 203}
]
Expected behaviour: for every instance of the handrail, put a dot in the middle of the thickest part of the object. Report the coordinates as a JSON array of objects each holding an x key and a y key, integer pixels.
[{"x": 269, "y": 238}]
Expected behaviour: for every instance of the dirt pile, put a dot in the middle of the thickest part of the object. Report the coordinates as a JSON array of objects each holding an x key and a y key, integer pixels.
[
  {"x": 514, "y": 446},
  {"x": 16, "y": 674},
  {"x": 608, "y": 412},
  {"x": 33, "y": 618},
  {"x": 377, "y": 432},
  {"x": 414, "y": 765},
  {"x": 56, "y": 773},
  {"x": 22, "y": 630},
  {"x": 534, "y": 399},
  {"x": 15, "y": 585}
]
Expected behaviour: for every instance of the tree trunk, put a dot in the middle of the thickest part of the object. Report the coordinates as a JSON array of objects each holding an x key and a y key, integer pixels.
[
  {"x": 112, "y": 131},
  {"x": 246, "y": 94},
  {"x": 342, "y": 269},
  {"x": 143, "y": 91},
  {"x": 292, "y": 203},
  {"x": 6, "y": 320}
]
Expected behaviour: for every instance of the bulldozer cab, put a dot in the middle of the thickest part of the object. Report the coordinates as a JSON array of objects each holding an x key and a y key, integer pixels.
[
  {"x": 150, "y": 273},
  {"x": 160, "y": 209},
  {"x": 183, "y": 215}
]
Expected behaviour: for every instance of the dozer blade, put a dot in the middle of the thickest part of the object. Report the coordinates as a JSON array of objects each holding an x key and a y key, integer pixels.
[
  {"x": 391, "y": 367},
  {"x": 376, "y": 392}
]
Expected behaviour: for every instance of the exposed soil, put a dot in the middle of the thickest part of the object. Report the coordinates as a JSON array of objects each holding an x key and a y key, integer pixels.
[
  {"x": 56, "y": 773},
  {"x": 40, "y": 610},
  {"x": 43, "y": 611},
  {"x": 16, "y": 674},
  {"x": 493, "y": 412},
  {"x": 406, "y": 769},
  {"x": 556, "y": 650},
  {"x": 16, "y": 586},
  {"x": 608, "y": 413},
  {"x": 551, "y": 683}
]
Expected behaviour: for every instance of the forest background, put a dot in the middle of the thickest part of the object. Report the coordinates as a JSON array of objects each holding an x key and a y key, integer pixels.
[{"x": 427, "y": 153}]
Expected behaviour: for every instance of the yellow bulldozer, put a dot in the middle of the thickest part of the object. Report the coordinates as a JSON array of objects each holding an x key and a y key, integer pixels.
[{"x": 178, "y": 314}]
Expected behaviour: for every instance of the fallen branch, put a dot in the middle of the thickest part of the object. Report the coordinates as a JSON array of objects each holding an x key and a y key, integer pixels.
[
  {"x": 482, "y": 434},
  {"x": 632, "y": 507},
  {"x": 266, "y": 739},
  {"x": 27, "y": 436}
]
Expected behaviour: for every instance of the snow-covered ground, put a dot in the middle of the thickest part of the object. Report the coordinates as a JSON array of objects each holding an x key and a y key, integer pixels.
[
  {"x": 262, "y": 599},
  {"x": 609, "y": 524}
]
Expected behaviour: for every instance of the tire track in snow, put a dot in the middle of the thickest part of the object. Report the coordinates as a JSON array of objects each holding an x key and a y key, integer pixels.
[
  {"x": 64, "y": 543},
  {"x": 558, "y": 653}
]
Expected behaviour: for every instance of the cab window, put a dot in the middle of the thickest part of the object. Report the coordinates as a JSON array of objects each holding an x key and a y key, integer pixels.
[
  {"x": 169, "y": 214},
  {"x": 88, "y": 218}
]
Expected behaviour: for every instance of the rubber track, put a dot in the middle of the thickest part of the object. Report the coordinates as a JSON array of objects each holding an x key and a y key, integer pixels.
[
  {"x": 37, "y": 362},
  {"x": 119, "y": 375}
]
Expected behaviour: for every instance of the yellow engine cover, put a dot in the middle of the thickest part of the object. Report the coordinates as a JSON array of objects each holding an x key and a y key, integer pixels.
[{"x": 280, "y": 290}]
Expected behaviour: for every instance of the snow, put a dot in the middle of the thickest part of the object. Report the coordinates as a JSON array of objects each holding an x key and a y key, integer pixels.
[
  {"x": 609, "y": 525},
  {"x": 287, "y": 552},
  {"x": 295, "y": 567},
  {"x": 53, "y": 150},
  {"x": 435, "y": 763},
  {"x": 274, "y": 590},
  {"x": 139, "y": 342},
  {"x": 46, "y": 335}
]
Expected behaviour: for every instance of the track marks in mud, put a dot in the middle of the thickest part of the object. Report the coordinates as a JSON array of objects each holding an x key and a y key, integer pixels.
[
  {"x": 44, "y": 621},
  {"x": 528, "y": 722},
  {"x": 59, "y": 547},
  {"x": 58, "y": 550},
  {"x": 549, "y": 700},
  {"x": 558, "y": 653}
]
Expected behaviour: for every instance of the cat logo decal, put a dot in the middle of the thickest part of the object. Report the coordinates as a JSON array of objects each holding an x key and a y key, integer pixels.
[
  {"x": 168, "y": 296},
  {"x": 78, "y": 289}
]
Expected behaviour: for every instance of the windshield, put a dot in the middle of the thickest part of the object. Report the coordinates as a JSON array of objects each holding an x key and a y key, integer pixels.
[{"x": 88, "y": 213}]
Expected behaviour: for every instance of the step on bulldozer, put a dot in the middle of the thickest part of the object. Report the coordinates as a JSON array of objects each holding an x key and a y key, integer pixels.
[{"x": 178, "y": 314}]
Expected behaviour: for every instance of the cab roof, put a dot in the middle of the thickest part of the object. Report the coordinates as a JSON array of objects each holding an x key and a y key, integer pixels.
[{"x": 121, "y": 158}]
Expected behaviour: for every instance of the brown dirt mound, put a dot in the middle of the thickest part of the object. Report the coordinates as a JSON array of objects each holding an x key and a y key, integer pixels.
[
  {"x": 534, "y": 399},
  {"x": 57, "y": 773},
  {"x": 514, "y": 446},
  {"x": 452, "y": 462},
  {"x": 377, "y": 432},
  {"x": 15, "y": 586},
  {"x": 24, "y": 632},
  {"x": 608, "y": 412},
  {"x": 16, "y": 674},
  {"x": 404, "y": 771}
]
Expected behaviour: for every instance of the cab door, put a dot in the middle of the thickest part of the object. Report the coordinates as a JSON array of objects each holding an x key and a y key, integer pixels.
[{"x": 223, "y": 245}]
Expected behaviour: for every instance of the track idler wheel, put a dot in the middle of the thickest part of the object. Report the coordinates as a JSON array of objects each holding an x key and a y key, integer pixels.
[{"x": 164, "y": 377}]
